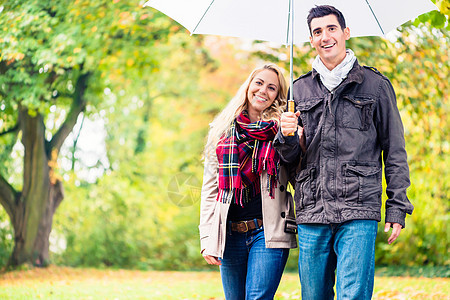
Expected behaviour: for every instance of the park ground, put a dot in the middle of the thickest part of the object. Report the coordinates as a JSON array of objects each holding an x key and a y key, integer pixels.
[{"x": 75, "y": 283}]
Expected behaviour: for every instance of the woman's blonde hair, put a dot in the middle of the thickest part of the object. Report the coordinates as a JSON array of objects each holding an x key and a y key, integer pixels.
[{"x": 222, "y": 122}]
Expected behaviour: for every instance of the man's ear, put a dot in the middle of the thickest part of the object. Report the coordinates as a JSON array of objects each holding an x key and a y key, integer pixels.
[
  {"x": 311, "y": 40},
  {"x": 347, "y": 33}
]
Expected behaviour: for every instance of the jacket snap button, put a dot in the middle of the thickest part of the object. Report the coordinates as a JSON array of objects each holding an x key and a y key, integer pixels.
[
  {"x": 281, "y": 188},
  {"x": 283, "y": 214}
]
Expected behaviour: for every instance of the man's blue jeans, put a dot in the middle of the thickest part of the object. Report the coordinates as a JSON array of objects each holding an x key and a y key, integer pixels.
[
  {"x": 347, "y": 249},
  {"x": 249, "y": 270}
]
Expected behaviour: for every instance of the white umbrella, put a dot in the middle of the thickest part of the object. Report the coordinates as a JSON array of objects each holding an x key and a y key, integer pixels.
[{"x": 271, "y": 20}]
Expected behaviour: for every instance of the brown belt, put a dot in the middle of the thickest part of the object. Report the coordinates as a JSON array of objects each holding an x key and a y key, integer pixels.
[{"x": 244, "y": 226}]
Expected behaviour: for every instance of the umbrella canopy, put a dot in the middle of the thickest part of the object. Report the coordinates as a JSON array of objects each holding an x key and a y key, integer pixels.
[
  {"x": 268, "y": 20},
  {"x": 272, "y": 20}
]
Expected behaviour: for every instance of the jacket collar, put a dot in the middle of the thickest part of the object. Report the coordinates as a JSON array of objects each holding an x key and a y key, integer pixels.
[{"x": 356, "y": 74}]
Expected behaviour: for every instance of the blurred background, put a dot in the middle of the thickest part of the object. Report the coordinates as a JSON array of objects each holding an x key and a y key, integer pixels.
[{"x": 104, "y": 109}]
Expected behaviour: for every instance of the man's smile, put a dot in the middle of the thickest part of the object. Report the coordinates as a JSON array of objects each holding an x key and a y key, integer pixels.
[{"x": 328, "y": 46}]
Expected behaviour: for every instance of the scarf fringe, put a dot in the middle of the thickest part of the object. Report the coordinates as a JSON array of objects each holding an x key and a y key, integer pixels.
[
  {"x": 239, "y": 196},
  {"x": 243, "y": 155}
]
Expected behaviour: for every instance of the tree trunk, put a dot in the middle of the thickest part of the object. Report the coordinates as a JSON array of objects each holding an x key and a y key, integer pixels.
[
  {"x": 31, "y": 245},
  {"x": 35, "y": 206},
  {"x": 41, "y": 245}
]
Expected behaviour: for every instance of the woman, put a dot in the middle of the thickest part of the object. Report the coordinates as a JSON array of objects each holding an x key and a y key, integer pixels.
[{"x": 245, "y": 207}]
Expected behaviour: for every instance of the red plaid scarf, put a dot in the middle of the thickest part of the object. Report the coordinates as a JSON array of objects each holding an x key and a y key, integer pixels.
[{"x": 242, "y": 156}]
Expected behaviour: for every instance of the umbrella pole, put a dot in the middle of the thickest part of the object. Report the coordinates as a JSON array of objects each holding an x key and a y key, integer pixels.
[
  {"x": 291, "y": 103},
  {"x": 291, "y": 59}
]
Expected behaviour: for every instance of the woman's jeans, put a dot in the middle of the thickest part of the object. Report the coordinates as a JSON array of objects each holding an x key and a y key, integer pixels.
[
  {"x": 347, "y": 248},
  {"x": 249, "y": 270}
]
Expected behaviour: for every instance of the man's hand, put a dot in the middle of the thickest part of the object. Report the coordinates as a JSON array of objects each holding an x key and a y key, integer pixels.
[
  {"x": 396, "y": 228},
  {"x": 289, "y": 122}
]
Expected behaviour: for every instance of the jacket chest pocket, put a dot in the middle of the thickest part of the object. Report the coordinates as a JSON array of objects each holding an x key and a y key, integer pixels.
[
  {"x": 305, "y": 189},
  {"x": 357, "y": 112},
  {"x": 310, "y": 114},
  {"x": 361, "y": 183}
]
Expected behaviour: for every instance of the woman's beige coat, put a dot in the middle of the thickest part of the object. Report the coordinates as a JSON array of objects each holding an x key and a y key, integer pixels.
[{"x": 213, "y": 213}]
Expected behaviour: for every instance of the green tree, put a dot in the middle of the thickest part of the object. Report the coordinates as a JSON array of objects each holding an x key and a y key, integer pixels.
[{"x": 56, "y": 59}]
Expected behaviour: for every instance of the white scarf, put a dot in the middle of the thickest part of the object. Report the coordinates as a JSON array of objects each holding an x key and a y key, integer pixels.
[{"x": 331, "y": 79}]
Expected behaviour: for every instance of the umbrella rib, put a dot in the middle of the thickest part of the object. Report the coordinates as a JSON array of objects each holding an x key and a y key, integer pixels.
[
  {"x": 201, "y": 19},
  {"x": 371, "y": 10}
]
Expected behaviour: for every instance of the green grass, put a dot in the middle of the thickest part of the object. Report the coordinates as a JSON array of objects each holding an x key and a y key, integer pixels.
[
  {"x": 69, "y": 283},
  {"x": 413, "y": 271}
]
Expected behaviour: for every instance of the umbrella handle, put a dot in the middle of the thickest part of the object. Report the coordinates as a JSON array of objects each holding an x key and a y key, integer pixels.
[{"x": 291, "y": 108}]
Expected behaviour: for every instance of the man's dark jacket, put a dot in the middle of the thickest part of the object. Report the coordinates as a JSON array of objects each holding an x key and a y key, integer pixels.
[{"x": 348, "y": 131}]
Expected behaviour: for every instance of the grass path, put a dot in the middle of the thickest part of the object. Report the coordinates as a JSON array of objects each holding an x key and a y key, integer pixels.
[{"x": 68, "y": 283}]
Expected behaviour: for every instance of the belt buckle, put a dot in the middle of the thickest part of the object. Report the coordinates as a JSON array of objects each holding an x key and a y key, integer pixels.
[{"x": 246, "y": 226}]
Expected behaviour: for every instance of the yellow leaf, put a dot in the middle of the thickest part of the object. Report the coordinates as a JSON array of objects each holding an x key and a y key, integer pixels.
[
  {"x": 428, "y": 64},
  {"x": 19, "y": 56}
]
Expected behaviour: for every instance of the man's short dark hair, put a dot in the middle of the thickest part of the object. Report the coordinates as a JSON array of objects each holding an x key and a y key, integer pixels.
[{"x": 325, "y": 10}]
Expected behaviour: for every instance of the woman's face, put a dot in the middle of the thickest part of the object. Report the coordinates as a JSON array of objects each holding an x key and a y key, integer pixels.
[{"x": 262, "y": 91}]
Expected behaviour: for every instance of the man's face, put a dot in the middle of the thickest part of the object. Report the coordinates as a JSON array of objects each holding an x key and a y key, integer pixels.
[{"x": 328, "y": 39}]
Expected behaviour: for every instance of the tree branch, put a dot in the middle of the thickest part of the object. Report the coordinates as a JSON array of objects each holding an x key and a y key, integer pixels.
[
  {"x": 78, "y": 106},
  {"x": 7, "y": 196},
  {"x": 12, "y": 129}
]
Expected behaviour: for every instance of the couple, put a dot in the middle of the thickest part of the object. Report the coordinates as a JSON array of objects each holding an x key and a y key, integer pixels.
[{"x": 346, "y": 122}]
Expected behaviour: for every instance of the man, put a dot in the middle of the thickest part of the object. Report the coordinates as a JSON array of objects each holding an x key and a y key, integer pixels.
[{"x": 349, "y": 123}]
